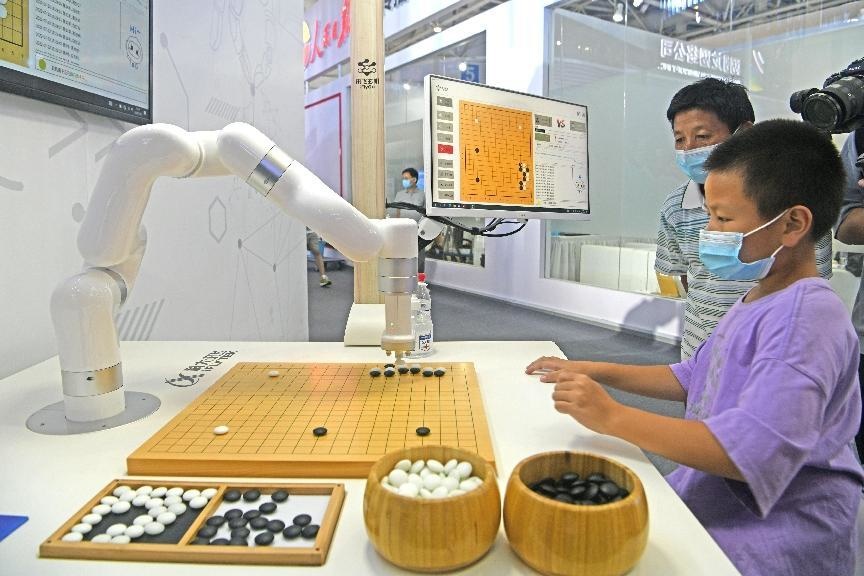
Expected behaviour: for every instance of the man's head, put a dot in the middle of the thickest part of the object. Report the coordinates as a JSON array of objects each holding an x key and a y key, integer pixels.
[
  {"x": 409, "y": 178},
  {"x": 776, "y": 168}
]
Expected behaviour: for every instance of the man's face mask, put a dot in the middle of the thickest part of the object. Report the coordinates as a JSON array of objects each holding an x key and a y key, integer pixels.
[
  {"x": 719, "y": 252},
  {"x": 406, "y": 183},
  {"x": 691, "y": 162}
]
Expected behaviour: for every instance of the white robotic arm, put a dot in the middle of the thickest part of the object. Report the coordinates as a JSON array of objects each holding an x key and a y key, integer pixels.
[{"x": 112, "y": 243}]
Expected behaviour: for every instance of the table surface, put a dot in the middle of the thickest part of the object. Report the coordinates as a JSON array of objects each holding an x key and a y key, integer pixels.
[{"x": 48, "y": 478}]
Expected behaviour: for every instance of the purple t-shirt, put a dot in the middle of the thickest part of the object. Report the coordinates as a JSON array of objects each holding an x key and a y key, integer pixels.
[{"x": 777, "y": 384}]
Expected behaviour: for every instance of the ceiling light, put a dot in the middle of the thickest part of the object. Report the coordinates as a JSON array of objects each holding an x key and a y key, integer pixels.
[
  {"x": 618, "y": 16},
  {"x": 557, "y": 42},
  {"x": 437, "y": 29},
  {"x": 637, "y": 3},
  {"x": 463, "y": 66},
  {"x": 698, "y": 17},
  {"x": 406, "y": 86}
]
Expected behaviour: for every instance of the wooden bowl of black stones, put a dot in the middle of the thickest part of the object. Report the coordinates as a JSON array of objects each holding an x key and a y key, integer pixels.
[{"x": 575, "y": 514}]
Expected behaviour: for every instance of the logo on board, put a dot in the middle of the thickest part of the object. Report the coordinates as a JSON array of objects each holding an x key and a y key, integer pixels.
[{"x": 193, "y": 373}]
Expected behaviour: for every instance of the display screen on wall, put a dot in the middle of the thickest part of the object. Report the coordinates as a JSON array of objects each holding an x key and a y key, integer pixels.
[
  {"x": 94, "y": 55},
  {"x": 491, "y": 152}
]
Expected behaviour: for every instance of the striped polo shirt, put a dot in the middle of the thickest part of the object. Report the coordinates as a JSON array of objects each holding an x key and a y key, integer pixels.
[{"x": 708, "y": 297}]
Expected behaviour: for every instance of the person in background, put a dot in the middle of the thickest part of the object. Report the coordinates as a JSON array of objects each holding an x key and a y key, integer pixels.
[
  {"x": 772, "y": 400},
  {"x": 313, "y": 244},
  {"x": 703, "y": 115},
  {"x": 850, "y": 230},
  {"x": 411, "y": 194}
]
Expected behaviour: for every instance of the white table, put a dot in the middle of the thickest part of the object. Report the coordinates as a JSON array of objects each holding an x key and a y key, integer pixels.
[{"x": 48, "y": 478}]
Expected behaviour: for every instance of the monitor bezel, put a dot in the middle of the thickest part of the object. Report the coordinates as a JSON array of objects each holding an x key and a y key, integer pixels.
[{"x": 461, "y": 210}]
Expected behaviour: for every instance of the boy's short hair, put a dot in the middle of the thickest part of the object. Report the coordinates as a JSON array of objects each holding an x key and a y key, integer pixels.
[
  {"x": 411, "y": 171},
  {"x": 727, "y": 100},
  {"x": 784, "y": 163}
]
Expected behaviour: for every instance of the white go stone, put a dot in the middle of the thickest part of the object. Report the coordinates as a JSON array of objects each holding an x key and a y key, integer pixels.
[
  {"x": 273, "y": 373},
  {"x": 220, "y": 430},
  {"x": 175, "y": 491},
  {"x": 109, "y": 500},
  {"x": 464, "y": 469},
  {"x": 415, "y": 479},
  {"x": 116, "y": 529},
  {"x": 154, "y": 528},
  {"x": 120, "y": 539},
  {"x": 73, "y": 537},
  {"x": 92, "y": 519},
  {"x": 432, "y": 482},
  {"x": 169, "y": 500},
  {"x": 121, "y": 489},
  {"x": 398, "y": 477},
  {"x": 146, "y": 489},
  {"x": 408, "y": 489},
  {"x": 128, "y": 496},
  {"x": 387, "y": 486},
  {"x": 467, "y": 485},
  {"x": 101, "y": 509},
  {"x": 154, "y": 503},
  {"x": 177, "y": 508},
  {"x": 101, "y": 539},
  {"x": 166, "y": 518},
  {"x": 188, "y": 495},
  {"x": 450, "y": 465},
  {"x": 451, "y": 483},
  {"x": 82, "y": 528},
  {"x": 154, "y": 512},
  {"x": 434, "y": 466},
  {"x": 197, "y": 502},
  {"x": 134, "y": 531},
  {"x": 417, "y": 466},
  {"x": 120, "y": 507},
  {"x": 425, "y": 493},
  {"x": 404, "y": 465},
  {"x": 456, "y": 492},
  {"x": 142, "y": 520},
  {"x": 159, "y": 492},
  {"x": 424, "y": 472},
  {"x": 440, "y": 492},
  {"x": 209, "y": 493}
]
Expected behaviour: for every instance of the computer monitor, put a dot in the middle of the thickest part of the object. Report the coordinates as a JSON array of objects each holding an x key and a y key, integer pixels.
[
  {"x": 93, "y": 55},
  {"x": 496, "y": 153}
]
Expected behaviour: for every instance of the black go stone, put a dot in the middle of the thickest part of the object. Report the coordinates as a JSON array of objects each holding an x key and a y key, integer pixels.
[
  {"x": 251, "y": 495},
  {"x": 220, "y": 542},
  {"x": 216, "y": 521},
  {"x": 427, "y": 372},
  {"x": 292, "y": 531},
  {"x": 259, "y": 523},
  {"x": 240, "y": 532},
  {"x": 264, "y": 539},
  {"x": 275, "y": 525},
  {"x": 279, "y": 496},
  {"x": 207, "y": 532},
  {"x": 415, "y": 369},
  {"x": 388, "y": 372},
  {"x": 250, "y": 514},
  {"x": 310, "y": 531},
  {"x": 389, "y": 365},
  {"x": 564, "y": 497},
  {"x": 569, "y": 478},
  {"x": 403, "y": 369},
  {"x": 200, "y": 542},
  {"x": 267, "y": 507},
  {"x": 609, "y": 489},
  {"x": 439, "y": 372},
  {"x": 597, "y": 477},
  {"x": 320, "y": 431},
  {"x": 232, "y": 496},
  {"x": 302, "y": 519},
  {"x": 423, "y": 431},
  {"x": 236, "y": 523},
  {"x": 235, "y": 541},
  {"x": 234, "y": 513},
  {"x": 375, "y": 372}
]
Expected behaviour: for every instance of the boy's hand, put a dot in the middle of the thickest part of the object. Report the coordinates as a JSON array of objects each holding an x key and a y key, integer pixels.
[
  {"x": 585, "y": 400},
  {"x": 547, "y": 364}
]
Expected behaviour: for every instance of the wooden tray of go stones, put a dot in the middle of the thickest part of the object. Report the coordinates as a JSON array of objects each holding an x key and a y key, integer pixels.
[{"x": 215, "y": 522}]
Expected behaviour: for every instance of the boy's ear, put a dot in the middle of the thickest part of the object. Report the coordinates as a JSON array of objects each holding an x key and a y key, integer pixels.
[{"x": 799, "y": 221}]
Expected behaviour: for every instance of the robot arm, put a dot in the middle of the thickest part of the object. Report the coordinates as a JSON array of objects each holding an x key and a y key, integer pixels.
[{"x": 112, "y": 242}]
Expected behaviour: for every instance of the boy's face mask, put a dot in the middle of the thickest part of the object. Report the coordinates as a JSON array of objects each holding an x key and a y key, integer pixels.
[
  {"x": 691, "y": 162},
  {"x": 719, "y": 252},
  {"x": 406, "y": 183}
]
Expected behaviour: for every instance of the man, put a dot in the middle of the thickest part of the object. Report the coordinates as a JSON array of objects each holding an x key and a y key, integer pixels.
[
  {"x": 850, "y": 230},
  {"x": 703, "y": 115},
  {"x": 410, "y": 194}
]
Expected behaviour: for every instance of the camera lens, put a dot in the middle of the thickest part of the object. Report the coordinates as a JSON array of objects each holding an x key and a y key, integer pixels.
[
  {"x": 796, "y": 101},
  {"x": 836, "y": 104}
]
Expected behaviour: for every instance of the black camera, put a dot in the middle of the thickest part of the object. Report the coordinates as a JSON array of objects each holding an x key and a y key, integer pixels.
[{"x": 839, "y": 106}]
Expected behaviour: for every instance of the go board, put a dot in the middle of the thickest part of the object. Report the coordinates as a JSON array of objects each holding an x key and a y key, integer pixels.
[
  {"x": 271, "y": 410},
  {"x": 177, "y": 543}
]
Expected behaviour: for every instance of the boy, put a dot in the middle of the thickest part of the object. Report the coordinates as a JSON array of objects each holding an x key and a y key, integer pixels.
[
  {"x": 703, "y": 115},
  {"x": 772, "y": 399}
]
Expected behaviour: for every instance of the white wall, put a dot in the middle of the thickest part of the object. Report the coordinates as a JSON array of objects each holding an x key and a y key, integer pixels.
[{"x": 222, "y": 264}]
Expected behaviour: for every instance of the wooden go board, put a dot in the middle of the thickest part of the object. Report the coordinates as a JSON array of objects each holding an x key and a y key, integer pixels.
[
  {"x": 271, "y": 421},
  {"x": 178, "y": 547}
]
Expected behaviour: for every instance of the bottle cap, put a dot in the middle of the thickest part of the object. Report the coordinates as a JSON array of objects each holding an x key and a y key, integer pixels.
[{"x": 421, "y": 276}]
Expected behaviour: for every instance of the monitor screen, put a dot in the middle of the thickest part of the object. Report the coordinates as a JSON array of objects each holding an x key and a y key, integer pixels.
[
  {"x": 494, "y": 153},
  {"x": 94, "y": 55}
]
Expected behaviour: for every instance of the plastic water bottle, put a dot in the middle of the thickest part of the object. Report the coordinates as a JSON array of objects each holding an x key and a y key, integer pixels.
[{"x": 421, "y": 318}]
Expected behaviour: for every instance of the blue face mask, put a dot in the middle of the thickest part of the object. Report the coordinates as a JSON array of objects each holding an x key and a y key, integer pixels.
[
  {"x": 691, "y": 162},
  {"x": 406, "y": 183},
  {"x": 719, "y": 253}
]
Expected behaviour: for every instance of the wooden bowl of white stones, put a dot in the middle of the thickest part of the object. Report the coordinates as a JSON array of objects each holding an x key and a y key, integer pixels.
[
  {"x": 432, "y": 508},
  {"x": 576, "y": 514}
]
